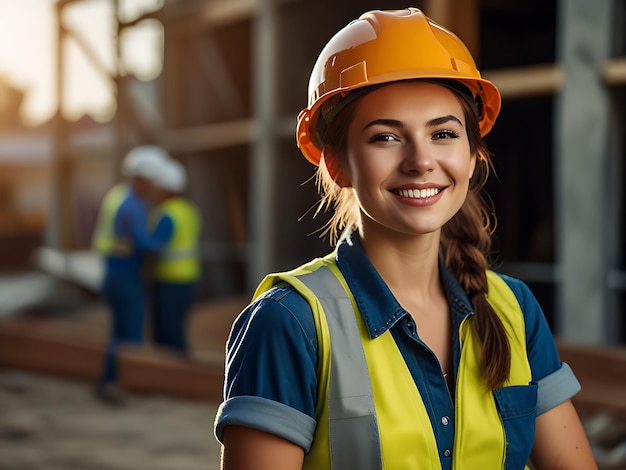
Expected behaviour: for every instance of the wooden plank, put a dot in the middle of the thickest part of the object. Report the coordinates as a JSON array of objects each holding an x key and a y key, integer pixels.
[
  {"x": 26, "y": 348},
  {"x": 210, "y": 136},
  {"x": 524, "y": 82},
  {"x": 614, "y": 71},
  {"x": 141, "y": 370}
]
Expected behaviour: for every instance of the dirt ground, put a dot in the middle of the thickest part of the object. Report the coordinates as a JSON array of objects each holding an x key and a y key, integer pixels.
[{"x": 56, "y": 424}]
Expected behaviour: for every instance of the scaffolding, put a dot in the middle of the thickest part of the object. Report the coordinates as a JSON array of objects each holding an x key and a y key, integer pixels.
[{"x": 229, "y": 100}]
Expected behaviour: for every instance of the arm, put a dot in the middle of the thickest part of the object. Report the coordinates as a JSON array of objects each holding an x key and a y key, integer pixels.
[
  {"x": 561, "y": 442},
  {"x": 164, "y": 230},
  {"x": 270, "y": 389},
  {"x": 249, "y": 449},
  {"x": 138, "y": 220}
]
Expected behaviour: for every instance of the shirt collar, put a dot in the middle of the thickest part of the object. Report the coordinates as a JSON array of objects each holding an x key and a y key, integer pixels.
[{"x": 378, "y": 306}]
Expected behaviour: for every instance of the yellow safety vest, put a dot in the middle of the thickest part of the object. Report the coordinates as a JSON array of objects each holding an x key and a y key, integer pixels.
[
  {"x": 403, "y": 434},
  {"x": 104, "y": 240},
  {"x": 179, "y": 262}
]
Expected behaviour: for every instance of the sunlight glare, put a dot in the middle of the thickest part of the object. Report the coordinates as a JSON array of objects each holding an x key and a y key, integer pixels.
[{"x": 28, "y": 54}]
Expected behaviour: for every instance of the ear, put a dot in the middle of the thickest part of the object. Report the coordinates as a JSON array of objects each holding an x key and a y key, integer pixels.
[{"x": 336, "y": 168}]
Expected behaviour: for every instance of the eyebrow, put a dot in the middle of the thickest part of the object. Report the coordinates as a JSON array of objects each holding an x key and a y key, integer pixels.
[
  {"x": 443, "y": 120},
  {"x": 395, "y": 123}
]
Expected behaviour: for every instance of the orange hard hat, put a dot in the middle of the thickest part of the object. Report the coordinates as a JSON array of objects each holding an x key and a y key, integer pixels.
[{"x": 384, "y": 46}]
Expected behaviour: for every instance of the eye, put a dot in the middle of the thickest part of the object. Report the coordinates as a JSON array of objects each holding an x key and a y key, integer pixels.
[
  {"x": 383, "y": 138},
  {"x": 445, "y": 134}
]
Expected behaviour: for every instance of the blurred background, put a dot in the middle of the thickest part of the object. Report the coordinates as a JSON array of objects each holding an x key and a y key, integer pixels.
[{"x": 219, "y": 83}]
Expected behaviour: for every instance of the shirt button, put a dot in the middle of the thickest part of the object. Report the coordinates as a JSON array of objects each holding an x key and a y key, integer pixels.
[
  {"x": 447, "y": 453},
  {"x": 445, "y": 420}
]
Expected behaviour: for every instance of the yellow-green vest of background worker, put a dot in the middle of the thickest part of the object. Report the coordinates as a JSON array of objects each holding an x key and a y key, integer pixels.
[{"x": 174, "y": 274}]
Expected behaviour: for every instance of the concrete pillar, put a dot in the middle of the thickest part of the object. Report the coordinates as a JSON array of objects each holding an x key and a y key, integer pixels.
[{"x": 582, "y": 157}]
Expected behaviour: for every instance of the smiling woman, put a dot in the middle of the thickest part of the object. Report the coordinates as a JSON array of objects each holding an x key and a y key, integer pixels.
[
  {"x": 28, "y": 61},
  {"x": 401, "y": 348}
]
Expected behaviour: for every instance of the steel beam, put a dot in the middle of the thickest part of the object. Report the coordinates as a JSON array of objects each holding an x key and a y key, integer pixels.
[{"x": 263, "y": 150}]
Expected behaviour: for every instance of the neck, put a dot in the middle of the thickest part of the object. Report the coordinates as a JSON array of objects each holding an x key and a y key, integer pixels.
[{"x": 408, "y": 265}]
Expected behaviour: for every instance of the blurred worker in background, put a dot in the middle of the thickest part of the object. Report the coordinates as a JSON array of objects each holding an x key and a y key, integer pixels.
[
  {"x": 132, "y": 166},
  {"x": 176, "y": 270},
  {"x": 123, "y": 238}
]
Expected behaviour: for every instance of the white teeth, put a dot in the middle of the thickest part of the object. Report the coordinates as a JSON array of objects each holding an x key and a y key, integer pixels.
[{"x": 418, "y": 193}]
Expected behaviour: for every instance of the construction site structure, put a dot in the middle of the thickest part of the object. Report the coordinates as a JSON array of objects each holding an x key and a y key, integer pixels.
[{"x": 234, "y": 78}]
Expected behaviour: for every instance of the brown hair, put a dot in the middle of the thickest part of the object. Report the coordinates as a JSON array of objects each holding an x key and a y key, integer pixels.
[{"x": 465, "y": 239}]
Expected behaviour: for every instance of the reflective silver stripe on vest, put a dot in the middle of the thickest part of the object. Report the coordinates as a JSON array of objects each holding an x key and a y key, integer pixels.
[{"x": 354, "y": 439}]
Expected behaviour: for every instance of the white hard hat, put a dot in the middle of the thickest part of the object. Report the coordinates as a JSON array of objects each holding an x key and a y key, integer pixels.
[
  {"x": 144, "y": 161},
  {"x": 171, "y": 176}
]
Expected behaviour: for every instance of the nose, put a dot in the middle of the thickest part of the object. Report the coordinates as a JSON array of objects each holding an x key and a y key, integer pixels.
[{"x": 418, "y": 160}]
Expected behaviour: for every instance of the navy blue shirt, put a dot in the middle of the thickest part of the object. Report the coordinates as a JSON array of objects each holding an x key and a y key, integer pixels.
[{"x": 271, "y": 354}]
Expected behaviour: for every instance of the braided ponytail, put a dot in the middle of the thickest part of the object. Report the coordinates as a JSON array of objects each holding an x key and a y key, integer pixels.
[{"x": 466, "y": 243}]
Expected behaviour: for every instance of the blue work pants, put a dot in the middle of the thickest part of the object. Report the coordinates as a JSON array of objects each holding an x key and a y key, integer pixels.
[
  {"x": 171, "y": 303},
  {"x": 124, "y": 292}
]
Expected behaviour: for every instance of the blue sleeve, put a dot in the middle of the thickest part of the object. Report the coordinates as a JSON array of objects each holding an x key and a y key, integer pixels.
[
  {"x": 556, "y": 380},
  {"x": 133, "y": 223},
  {"x": 541, "y": 348},
  {"x": 271, "y": 368},
  {"x": 164, "y": 229}
]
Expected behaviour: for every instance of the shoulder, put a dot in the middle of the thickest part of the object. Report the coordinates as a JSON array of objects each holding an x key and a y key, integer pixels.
[
  {"x": 271, "y": 351},
  {"x": 192, "y": 206},
  {"x": 278, "y": 312},
  {"x": 182, "y": 203},
  {"x": 523, "y": 294},
  {"x": 180, "y": 208},
  {"x": 541, "y": 349},
  {"x": 116, "y": 192},
  {"x": 282, "y": 300}
]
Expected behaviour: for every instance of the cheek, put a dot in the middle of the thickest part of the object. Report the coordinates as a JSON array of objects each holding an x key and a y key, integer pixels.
[
  {"x": 464, "y": 167},
  {"x": 370, "y": 165}
]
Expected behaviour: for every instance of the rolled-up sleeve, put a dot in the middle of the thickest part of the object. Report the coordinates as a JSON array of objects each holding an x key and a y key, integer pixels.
[
  {"x": 556, "y": 388},
  {"x": 268, "y": 416}
]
